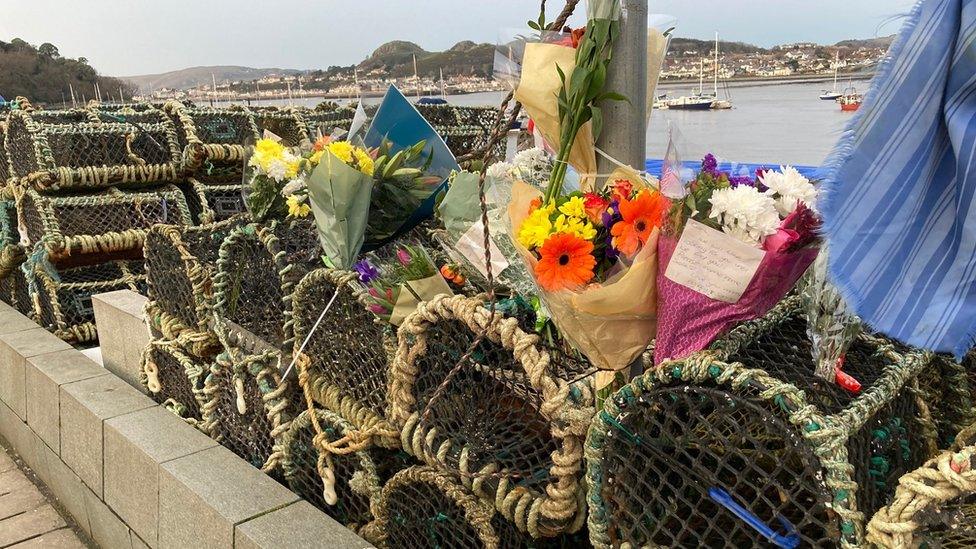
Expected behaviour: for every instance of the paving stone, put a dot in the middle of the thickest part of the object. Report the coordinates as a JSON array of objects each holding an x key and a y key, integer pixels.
[
  {"x": 298, "y": 526},
  {"x": 12, "y": 321},
  {"x": 64, "y": 538},
  {"x": 45, "y": 374},
  {"x": 15, "y": 349},
  {"x": 85, "y": 405},
  {"x": 19, "y": 495},
  {"x": 122, "y": 332},
  {"x": 107, "y": 529},
  {"x": 135, "y": 445},
  {"x": 6, "y": 464},
  {"x": 65, "y": 485},
  {"x": 30, "y": 524},
  {"x": 213, "y": 490},
  {"x": 136, "y": 541}
]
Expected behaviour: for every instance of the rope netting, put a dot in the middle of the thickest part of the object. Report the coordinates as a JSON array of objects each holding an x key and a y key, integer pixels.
[
  {"x": 62, "y": 297},
  {"x": 353, "y": 479},
  {"x": 5, "y": 175},
  {"x": 465, "y": 129},
  {"x": 326, "y": 117},
  {"x": 174, "y": 379},
  {"x": 285, "y": 123},
  {"x": 13, "y": 283},
  {"x": 510, "y": 421},
  {"x": 67, "y": 151},
  {"x": 248, "y": 407},
  {"x": 105, "y": 223},
  {"x": 215, "y": 198},
  {"x": 180, "y": 265},
  {"x": 9, "y": 231},
  {"x": 212, "y": 138},
  {"x": 257, "y": 271},
  {"x": 781, "y": 443}
]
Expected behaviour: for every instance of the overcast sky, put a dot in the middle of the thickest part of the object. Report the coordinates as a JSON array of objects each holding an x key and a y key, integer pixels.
[{"x": 123, "y": 38}]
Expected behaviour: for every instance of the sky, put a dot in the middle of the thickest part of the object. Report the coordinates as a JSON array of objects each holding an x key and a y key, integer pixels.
[{"x": 133, "y": 37}]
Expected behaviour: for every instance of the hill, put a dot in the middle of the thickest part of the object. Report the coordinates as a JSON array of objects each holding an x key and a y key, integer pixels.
[
  {"x": 201, "y": 76},
  {"x": 882, "y": 42},
  {"x": 681, "y": 46},
  {"x": 464, "y": 58},
  {"x": 42, "y": 75}
]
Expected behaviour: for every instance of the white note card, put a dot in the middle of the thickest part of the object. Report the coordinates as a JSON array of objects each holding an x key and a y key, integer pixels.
[
  {"x": 472, "y": 246},
  {"x": 713, "y": 263}
]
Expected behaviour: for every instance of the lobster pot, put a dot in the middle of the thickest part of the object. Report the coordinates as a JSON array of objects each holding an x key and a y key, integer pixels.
[
  {"x": 174, "y": 379},
  {"x": 212, "y": 139},
  {"x": 110, "y": 222},
  {"x": 949, "y": 395},
  {"x": 287, "y": 124},
  {"x": 357, "y": 480},
  {"x": 5, "y": 176},
  {"x": 9, "y": 232},
  {"x": 248, "y": 407},
  {"x": 180, "y": 263},
  {"x": 425, "y": 507},
  {"x": 62, "y": 297},
  {"x": 327, "y": 117},
  {"x": 511, "y": 419},
  {"x": 13, "y": 283},
  {"x": 348, "y": 335},
  {"x": 215, "y": 199},
  {"x": 762, "y": 430},
  {"x": 464, "y": 129},
  {"x": 934, "y": 506},
  {"x": 257, "y": 271},
  {"x": 65, "y": 151}
]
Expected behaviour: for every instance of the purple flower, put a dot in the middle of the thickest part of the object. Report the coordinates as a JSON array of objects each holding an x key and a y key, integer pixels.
[
  {"x": 612, "y": 214},
  {"x": 737, "y": 180},
  {"x": 367, "y": 272},
  {"x": 611, "y": 252},
  {"x": 760, "y": 172},
  {"x": 709, "y": 163}
]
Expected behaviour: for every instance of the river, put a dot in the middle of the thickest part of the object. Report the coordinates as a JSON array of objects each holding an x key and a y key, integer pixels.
[{"x": 772, "y": 124}]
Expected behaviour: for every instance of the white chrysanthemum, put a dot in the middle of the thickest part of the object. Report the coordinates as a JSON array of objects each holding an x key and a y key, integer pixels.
[
  {"x": 500, "y": 171},
  {"x": 787, "y": 186},
  {"x": 277, "y": 169},
  {"x": 745, "y": 213},
  {"x": 533, "y": 165},
  {"x": 293, "y": 186}
]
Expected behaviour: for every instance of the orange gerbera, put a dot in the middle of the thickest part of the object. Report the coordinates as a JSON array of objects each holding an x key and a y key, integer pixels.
[
  {"x": 567, "y": 262},
  {"x": 640, "y": 216}
]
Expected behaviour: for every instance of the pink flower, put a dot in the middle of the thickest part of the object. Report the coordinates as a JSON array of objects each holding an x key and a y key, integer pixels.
[
  {"x": 377, "y": 309},
  {"x": 781, "y": 241},
  {"x": 374, "y": 292},
  {"x": 796, "y": 231},
  {"x": 595, "y": 206},
  {"x": 404, "y": 257}
]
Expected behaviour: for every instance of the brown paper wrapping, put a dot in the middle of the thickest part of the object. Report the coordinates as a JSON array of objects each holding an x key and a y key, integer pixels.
[
  {"x": 611, "y": 323},
  {"x": 424, "y": 288},
  {"x": 538, "y": 91}
]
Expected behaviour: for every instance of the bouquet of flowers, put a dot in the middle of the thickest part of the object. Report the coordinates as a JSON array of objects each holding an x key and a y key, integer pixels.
[
  {"x": 395, "y": 287},
  {"x": 732, "y": 247},
  {"x": 274, "y": 177}
]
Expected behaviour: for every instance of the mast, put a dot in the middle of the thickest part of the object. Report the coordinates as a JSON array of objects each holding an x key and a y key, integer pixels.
[
  {"x": 416, "y": 77},
  {"x": 214, "y": 80},
  {"x": 72, "y": 90},
  {"x": 443, "y": 91},
  {"x": 716, "y": 64},
  {"x": 701, "y": 77},
  {"x": 836, "y": 67}
]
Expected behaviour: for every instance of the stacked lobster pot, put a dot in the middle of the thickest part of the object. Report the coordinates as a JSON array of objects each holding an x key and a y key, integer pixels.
[
  {"x": 744, "y": 444},
  {"x": 88, "y": 186}
]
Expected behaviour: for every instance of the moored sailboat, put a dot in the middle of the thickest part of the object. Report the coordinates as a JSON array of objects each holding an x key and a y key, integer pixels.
[{"x": 833, "y": 94}]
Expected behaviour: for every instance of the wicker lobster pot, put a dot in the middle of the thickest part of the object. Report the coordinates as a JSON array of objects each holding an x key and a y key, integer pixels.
[
  {"x": 257, "y": 270},
  {"x": 464, "y": 129},
  {"x": 287, "y": 124},
  {"x": 248, "y": 407},
  {"x": 65, "y": 151},
  {"x": 324, "y": 119},
  {"x": 9, "y": 232},
  {"x": 357, "y": 479},
  {"x": 950, "y": 394},
  {"x": 174, "y": 379},
  {"x": 751, "y": 418},
  {"x": 510, "y": 421},
  {"x": 13, "y": 283},
  {"x": 109, "y": 222},
  {"x": 62, "y": 297},
  {"x": 348, "y": 335},
  {"x": 212, "y": 138},
  {"x": 5, "y": 174},
  {"x": 180, "y": 264},
  {"x": 215, "y": 198},
  {"x": 934, "y": 506}
]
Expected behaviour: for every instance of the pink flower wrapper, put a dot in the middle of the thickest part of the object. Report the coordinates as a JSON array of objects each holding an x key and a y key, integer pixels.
[{"x": 689, "y": 321}]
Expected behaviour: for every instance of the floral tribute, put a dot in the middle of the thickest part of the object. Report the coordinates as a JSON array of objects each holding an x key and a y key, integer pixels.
[
  {"x": 762, "y": 229},
  {"x": 395, "y": 285}
]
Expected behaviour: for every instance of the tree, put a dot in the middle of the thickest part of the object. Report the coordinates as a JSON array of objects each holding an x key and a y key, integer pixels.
[
  {"x": 19, "y": 44},
  {"x": 83, "y": 60},
  {"x": 49, "y": 50},
  {"x": 793, "y": 65}
]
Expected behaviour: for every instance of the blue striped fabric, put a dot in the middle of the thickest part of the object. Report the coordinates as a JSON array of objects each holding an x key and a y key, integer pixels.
[{"x": 900, "y": 188}]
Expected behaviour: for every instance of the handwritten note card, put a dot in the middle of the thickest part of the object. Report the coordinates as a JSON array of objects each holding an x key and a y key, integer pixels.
[
  {"x": 713, "y": 263},
  {"x": 472, "y": 246}
]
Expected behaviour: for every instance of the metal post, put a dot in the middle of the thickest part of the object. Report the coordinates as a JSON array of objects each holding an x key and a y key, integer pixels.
[{"x": 624, "y": 135}]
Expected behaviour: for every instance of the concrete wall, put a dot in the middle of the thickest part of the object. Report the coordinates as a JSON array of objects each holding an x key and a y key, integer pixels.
[{"x": 132, "y": 474}]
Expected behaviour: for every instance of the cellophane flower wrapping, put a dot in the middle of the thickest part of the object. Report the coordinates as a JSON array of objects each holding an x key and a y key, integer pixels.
[
  {"x": 339, "y": 195},
  {"x": 612, "y": 322},
  {"x": 689, "y": 321}
]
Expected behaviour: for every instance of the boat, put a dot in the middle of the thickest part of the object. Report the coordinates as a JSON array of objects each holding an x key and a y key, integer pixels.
[
  {"x": 833, "y": 94},
  {"x": 697, "y": 101},
  {"x": 719, "y": 104},
  {"x": 661, "y": 102},
  {"x": 850, "y": 100}
]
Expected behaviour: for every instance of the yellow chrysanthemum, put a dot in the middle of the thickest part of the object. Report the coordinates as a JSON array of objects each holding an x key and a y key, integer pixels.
[
  {"x": 297, "y": 206},
  {"x": 574, "y": 207},
  {"x": 364, "y": 160},
  {"x": 294, "y": 163},
  {"x": 342, "y": 150},
  {"x": 269, "y": 147},
  {"x": 316, "y": 157},
  {"x": 536, "y": 228},
  {"x": 574, "y": 226}
]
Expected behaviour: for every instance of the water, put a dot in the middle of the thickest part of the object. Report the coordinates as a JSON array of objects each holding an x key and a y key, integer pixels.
[{"x": 770, "y": 124}]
